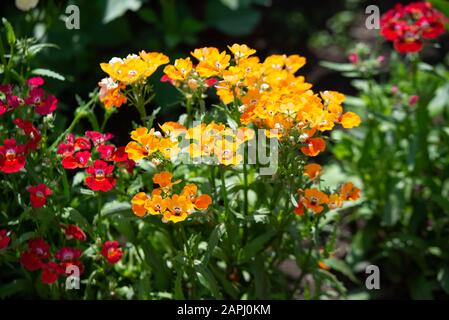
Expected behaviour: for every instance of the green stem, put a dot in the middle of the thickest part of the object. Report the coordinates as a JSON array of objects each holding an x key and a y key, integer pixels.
[
  {"x": 82, "y": 113},
  {"x": 245, "y": 189}
]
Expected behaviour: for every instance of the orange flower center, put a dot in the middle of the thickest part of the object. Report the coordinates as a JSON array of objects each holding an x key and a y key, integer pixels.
[
  {"x": 10, "y": 154},
  {"x": 99, "y": 174}
]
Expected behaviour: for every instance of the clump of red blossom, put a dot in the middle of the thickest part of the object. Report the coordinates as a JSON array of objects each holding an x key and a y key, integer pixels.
[
  {"x": 408, "y": 26},
  {"x": 38, "y": 257},
  {"x": 112, "y": 252},
  {"x": 97, "y": 155}
]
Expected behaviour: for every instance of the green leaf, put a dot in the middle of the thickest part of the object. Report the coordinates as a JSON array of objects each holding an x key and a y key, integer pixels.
[
  {"x": 10, "y": 35},
  {"x": 75, "y": 216},
  {"x": 207, "y": 279},
  {"x": 114, "y": 207},
  {"x": 147, "y": 15},
  {"x": 236, "y": 23},
  {"x": 324, "y": 274},
  {"x": 342, "y": 267},
  {"x": 342, "y": 67},
  {"x": 215, "y": 236},
  {"x": 254, "y": 246},
  {"x": 442, "y": 5},
  {"x": 443, "y": 279},
  {"x": 440, "y": 101},
  {"x": 36, "y": 48},
  {"x": 23, "y": 238},
  {"x": 47, "y": 73},
  {"x": 16, "y": 286},
  {"x": 78, "y": 178},
  {"x": 116, "y": 8}
]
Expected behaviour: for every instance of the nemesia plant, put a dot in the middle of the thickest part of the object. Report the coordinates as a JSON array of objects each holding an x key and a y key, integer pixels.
[{"x": 210, "y": 205}]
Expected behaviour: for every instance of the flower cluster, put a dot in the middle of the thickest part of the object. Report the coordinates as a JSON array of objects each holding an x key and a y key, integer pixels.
[
  {"x": 314, "y": 200},
  {"x": 12, "y": 153},
  {"x": 38, "y": 257},
  {"x": 36, "y": 97},
  {"x": 162, "y": 201},
  {"x": 211, "y": 140},
  {"x": 132, "y": 70},
  {"x": 93, "y": 153},
  {"x": 268, "y": 94},
  {"x": 408, "y": 26}
]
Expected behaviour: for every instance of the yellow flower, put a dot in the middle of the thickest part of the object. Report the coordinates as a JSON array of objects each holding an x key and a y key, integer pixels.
[
  {"x": 179, "y": 207},
  {"x": 241, "y": 51},
  {"x": 180, "y": 70},
  {"x": 168, "y": 148},
  {"x": 156, "y": 205},
  {"x": 204, "y": 53},
  {"x": 213, "y": 65},
  {"x": 350, "y": 120}
]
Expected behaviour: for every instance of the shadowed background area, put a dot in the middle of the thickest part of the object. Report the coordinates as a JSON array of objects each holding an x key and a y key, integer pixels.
[{"x": 321, "y": 30}]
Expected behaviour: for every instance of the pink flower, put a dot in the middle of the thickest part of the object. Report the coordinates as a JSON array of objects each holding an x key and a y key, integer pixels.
[
  {"x": 35, "y": 82},
  {"x": 413, "y": 100}
]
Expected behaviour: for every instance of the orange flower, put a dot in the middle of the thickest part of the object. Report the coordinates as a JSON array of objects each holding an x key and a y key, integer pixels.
[
  {"x": 323, "y": 265},
  {"x": 350, "y": 120},
  {"x": 314, "y": 199},
  {"x": 163, "y": 179},
  {"x": 110, "y": 93},
  {"x": 202, "y": 202},
  {"x": 335, "y": 201},
  {"x": 156, "y": 205},
  {"x": 138, "y": 204},
  {"x": 179, "y": 207},
  {"x": 312, "y": 170},
  {"x": 349, "y": 192},
  {"x": 313, "y": 147},
  {"x": 146, "y": 144}
]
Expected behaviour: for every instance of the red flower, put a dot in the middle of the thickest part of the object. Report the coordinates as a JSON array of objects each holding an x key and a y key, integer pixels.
[
  {"x": 72, "y": 145},
  {"x": 50, "y": 272},
  {"x": 166, "y": 78},
  {"x": 106, "y": 152},
  {"x": 98, "y": 138},
  {"x": 31, "y": 131},
  {"x": 78, "y": 160},
  {"x": 12, "y": 156},
  {"x": 42, "y": 106},
  {"x": 120, "y": 155},
  {"x": 68, "y": 257},
  {"x": 35, "y": 82},
  {"x": 4, "y": 239},
  {"x": 74, "y": 232},
  {"x": 408, "y": 26},
  {"x": 38, "y": 250},
  {"x": 413, "y": 100},
  {"x": 11, "y": 101},
  {"x": 112, "y": 252},
  {"x": 211, "y": 82},
  {"x": 39, "y": 194},
  {"x": 100, "y": 176}
]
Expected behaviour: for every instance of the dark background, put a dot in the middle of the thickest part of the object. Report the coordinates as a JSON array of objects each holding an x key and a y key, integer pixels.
[{"x": 318, "y": 30}]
